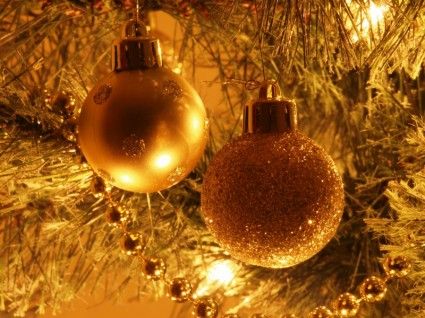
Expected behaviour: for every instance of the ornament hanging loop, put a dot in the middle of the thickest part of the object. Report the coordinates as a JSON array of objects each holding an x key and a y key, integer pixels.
[
  {"x": 139, "y": 16},
  {"x": 136, "y": 26},
  {"x": 271, "y": 112}
]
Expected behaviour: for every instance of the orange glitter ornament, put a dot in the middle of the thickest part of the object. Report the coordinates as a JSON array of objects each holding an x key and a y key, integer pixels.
[{"x": 272, "y": 197}]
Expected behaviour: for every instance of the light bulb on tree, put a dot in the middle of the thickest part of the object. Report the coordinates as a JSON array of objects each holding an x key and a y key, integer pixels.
[
  {"x": 142, "y": 128},
  {"x": 272, "y": 197},
  {"x": 367, "y": 20},
  {"x": 221, "y": 272}
]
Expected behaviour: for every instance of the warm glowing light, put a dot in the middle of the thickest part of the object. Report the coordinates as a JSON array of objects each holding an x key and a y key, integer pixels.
[
  {"x": 221, "y": 272},
  {"x": 374, "y": 18},
  {"x": 355, "y": 37},
  {"x": 201, "y": 291},
  {"x": 376, "y": 13},
  {"x": 196, "y": 123},
  {"x": 126, "y": 178},
  {"x": 163, "y": 160}
]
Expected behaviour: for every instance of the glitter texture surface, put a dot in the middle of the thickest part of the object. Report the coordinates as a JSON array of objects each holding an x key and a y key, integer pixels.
[
  {"x": 133, "y": 146},
  {"x": 272, "y": 200},
  {"x": 171, "y": 90}
]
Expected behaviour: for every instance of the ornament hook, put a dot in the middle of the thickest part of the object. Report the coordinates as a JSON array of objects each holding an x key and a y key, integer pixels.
[{"x": 138, "y": 12}]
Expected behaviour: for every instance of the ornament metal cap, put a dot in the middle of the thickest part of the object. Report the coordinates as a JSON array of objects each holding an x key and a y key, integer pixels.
[
  {"x": 270, "y": 113},
  {"x": 136, "y": 50}
]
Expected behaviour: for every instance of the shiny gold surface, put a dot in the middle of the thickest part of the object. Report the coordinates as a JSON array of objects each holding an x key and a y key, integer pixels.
[
  {"x": 272, "y": 200},
  {"x": 137, "y": 49},
  {"x": 143, "y": 130}
]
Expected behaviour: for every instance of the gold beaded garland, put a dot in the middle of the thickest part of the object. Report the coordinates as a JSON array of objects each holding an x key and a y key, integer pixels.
[
  {"x": 205, "y": 307},
  {"x": 68, "y": 132},
  {"x": 398, "y": 266},
  {"x": 98, "y": 187},
  {"x": 180, "y": 289},
  {"x": 347, "y": 305},
  {"x": 154, "y": 268},
  {"x": 131, "y": 243},
  {"x": 63, "y": 103},
  {"x": 373, "y": 289},
  {"x": 321, "y": 312},
  {"x": 115, "y": 215}
]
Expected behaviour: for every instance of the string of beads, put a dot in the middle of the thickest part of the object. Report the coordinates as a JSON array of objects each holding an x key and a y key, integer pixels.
[{"x": 180, "y": 290}]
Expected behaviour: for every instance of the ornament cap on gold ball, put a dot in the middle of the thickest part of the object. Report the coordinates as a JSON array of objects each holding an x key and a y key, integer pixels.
[
  {"x": 137, "y": 49},
  {"x": 272, "y": 197},
  {"x": 270, "y": 113},
  {"x": 142, "y": 127}
]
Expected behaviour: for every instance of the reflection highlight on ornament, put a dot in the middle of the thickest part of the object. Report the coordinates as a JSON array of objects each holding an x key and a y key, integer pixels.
[
  {"x": 196, "y": 123},
  {"x": 126, "y": 178},
  {"x": 163, "y": 160}
]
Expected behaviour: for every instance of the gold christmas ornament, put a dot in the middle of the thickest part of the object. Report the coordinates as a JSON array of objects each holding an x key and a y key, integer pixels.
[
  {"x": 272, "y": 197},
  {"x": 321, "y": 312},
  {"x": 142, "y": 128},
  {"x": 373, "y": 289},
  {"x": 180, "y": 290},
  {"x": 205, "y": 307},
  {"x": 398, "y": 266},
  {"x": 154, "y": 268},
  {"x": 63, "y": 103},
  {"x": 347, "y": 305}
]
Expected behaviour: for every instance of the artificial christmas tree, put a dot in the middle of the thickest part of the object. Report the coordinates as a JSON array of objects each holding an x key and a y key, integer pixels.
[{"x": 356, "y": 72}]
